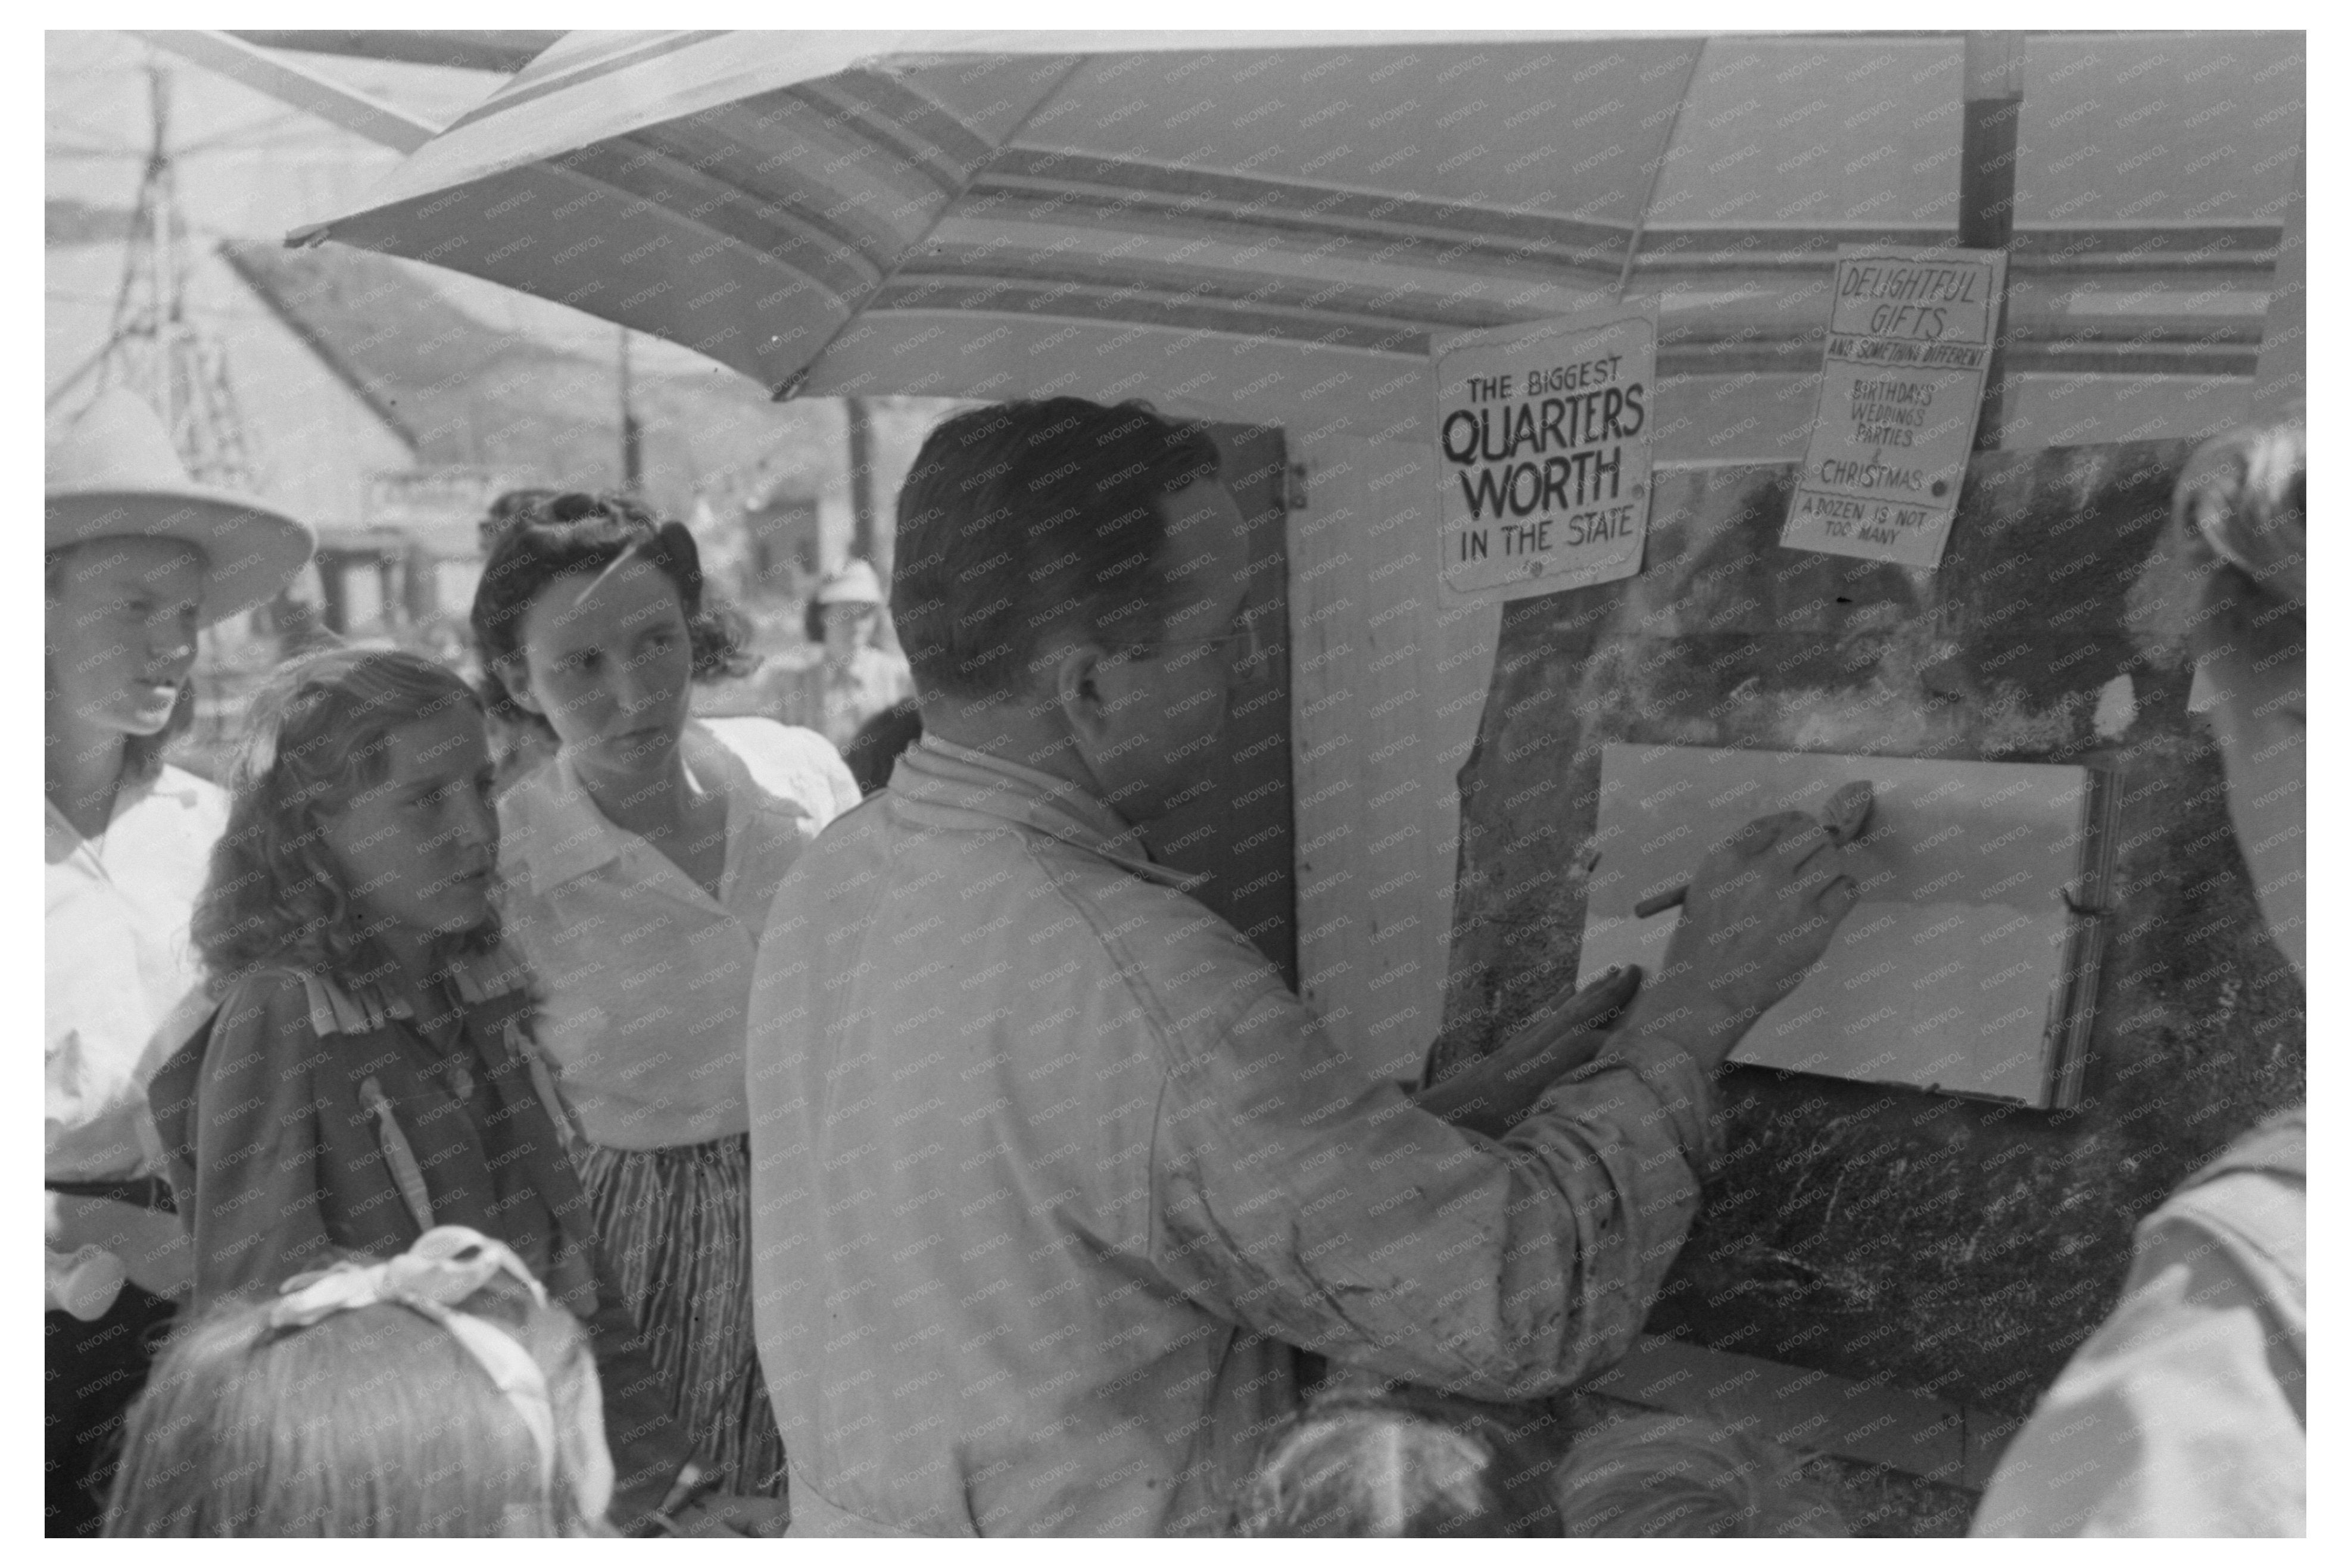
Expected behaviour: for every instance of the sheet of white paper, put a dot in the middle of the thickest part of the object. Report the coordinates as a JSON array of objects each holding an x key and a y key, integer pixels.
[{"x": 1943, "y": 976}]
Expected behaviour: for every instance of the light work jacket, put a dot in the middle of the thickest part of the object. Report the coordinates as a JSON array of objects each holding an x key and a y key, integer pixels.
[{"x": 1051, "y": 1173}]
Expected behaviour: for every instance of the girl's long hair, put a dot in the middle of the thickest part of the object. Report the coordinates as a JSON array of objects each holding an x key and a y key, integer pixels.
[
  {"x": 316, "y": 736},
  {"x": 370, "y": 1422}
]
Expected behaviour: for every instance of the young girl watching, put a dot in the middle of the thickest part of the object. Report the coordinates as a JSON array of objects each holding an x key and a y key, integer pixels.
[
  {"x": 369, "y": 1073},
  {"x": 440, "y": 1393},
  {"x": 638, "y": 867}
]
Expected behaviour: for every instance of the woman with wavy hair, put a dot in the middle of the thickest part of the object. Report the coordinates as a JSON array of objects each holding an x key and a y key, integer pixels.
[
  {"x": 637, "y": 869},
  {"x": 367, "y": 1072}
]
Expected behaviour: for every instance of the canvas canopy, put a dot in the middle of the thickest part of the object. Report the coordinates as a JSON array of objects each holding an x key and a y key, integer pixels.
[{"x": 1256, "y": 225}]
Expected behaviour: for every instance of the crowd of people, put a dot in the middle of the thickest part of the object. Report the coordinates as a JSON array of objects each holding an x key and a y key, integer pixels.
[{"x": 506, "y": 1103}]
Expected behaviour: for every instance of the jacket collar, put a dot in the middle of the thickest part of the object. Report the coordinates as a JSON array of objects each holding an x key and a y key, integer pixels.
[
  {"x": 361, "y": 1010},
  {"x": 938, "y": 780}
]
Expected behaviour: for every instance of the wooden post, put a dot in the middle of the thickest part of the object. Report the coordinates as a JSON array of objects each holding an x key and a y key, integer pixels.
[
  {"x": 861, "y": 478},
  {"x": 298, "y": 87},
  {"x": 1994, "y": 99},
  {"x": 632, "y": 466}
]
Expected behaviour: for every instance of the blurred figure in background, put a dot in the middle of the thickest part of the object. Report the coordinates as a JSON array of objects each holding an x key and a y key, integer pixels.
[
  {"x": 843, "y": 679},
  {"x": 136, "y": 559},
  {"x": 2185, "y": 1413}
]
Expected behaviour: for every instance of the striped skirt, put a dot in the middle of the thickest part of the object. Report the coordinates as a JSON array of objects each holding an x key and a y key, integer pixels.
[{"x": 675, "y": 1225}]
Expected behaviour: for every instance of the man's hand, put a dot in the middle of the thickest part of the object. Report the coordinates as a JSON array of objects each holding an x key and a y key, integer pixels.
[
  {"x": 1758, "y": 915},
  {"x": 1490, "y": 1095}
]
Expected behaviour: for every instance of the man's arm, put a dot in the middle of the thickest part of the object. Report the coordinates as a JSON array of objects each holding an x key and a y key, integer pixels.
[
  {"x": 1494, "y": 1092},
  {"x": 1735, "y": 951},
  {"x": 1383, "y": 1237}
]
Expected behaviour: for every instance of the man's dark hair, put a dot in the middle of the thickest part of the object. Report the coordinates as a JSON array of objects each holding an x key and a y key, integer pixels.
[{"x": 1023, "y": 518}]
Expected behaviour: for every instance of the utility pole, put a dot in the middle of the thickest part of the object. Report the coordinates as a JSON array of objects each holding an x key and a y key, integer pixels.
[
  {"x": 1992, "y": 101},
  {"x": 153, "y": 346},
  {"x": 158, "y": 353},
  {"x": 861, "y": 477},
  {"x": 631, "y": 438}
]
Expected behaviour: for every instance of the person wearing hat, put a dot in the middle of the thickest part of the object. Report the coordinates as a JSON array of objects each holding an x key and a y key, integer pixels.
[
  {"x": 843, "y": 679},
  {"x": 136, "y": 559}
]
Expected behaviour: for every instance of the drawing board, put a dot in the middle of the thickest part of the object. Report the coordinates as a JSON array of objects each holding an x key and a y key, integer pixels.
[{"x": 1952, "y": 973}]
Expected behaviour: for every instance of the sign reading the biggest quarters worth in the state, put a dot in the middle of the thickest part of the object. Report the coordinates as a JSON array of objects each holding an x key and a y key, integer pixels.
[
  {"x": 1542, "y": 435},
  {"x": 1909, "y": 340}
]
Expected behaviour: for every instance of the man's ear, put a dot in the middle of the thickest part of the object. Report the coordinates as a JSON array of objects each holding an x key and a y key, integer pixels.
[
  {"x": 513, "y": 672},
  {"x": 1077, "y": 685}
]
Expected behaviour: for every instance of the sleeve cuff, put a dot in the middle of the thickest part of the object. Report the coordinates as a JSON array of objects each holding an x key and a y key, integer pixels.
[{"x": 1683, "y": 1090}]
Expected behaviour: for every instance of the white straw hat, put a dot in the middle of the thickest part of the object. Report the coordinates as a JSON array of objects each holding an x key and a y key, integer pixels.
[
  {"x": 111, "y": 472},
  {"x": 854, "y": 583}
]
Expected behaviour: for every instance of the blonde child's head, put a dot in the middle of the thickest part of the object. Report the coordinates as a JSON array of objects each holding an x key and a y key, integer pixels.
[
  {"x": 1373, "y": 1469},
  {"x": 364, "y": 1410}
]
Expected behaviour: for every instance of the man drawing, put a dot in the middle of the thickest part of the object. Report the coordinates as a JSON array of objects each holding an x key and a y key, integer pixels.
[{"x": 1051, "y": 1172}]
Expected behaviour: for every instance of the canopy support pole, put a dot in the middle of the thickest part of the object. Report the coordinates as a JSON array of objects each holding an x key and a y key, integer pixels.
[
  {"x": 295, "y": 87},
  {"x": 1656, "y": 171},
  {"x": 1994, "y": 101}
]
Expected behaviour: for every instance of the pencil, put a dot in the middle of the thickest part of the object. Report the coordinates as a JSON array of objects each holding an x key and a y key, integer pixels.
[{"x": 1658, "y": 902}]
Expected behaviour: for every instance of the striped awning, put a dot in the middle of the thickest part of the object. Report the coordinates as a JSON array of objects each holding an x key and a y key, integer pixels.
[{"x": 1115, "y": 214}]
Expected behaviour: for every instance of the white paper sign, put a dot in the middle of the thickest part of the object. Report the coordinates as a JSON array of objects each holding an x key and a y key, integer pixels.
[
  {"x": 1910, "y": 340},
  {"x": 1542, "y": 435}
]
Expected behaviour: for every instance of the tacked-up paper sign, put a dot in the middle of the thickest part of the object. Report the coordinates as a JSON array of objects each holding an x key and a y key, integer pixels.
[
  {"x": 1909, "y": 341},
  {"x": 1543, "y": 435}
]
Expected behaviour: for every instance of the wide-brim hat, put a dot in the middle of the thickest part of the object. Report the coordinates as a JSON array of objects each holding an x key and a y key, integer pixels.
[
  {"x": 112, "y": 473},
  {"x": 854, "y": 583}
]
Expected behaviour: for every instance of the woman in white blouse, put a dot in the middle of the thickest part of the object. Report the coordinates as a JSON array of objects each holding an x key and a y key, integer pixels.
[
  {"x": 637, "y": 869},
  {"x": 136, "y": 559}
]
